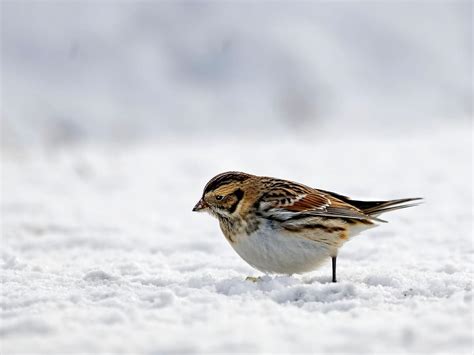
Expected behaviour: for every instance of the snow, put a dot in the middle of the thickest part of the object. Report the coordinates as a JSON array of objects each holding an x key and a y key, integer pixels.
[{"x": 101, "y": 252}]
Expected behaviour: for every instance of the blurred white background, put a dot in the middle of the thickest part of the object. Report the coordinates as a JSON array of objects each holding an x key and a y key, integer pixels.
[{"x": 127, "y": 71}]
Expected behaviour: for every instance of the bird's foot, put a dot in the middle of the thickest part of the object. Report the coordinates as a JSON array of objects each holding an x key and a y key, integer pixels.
[{"x": 253, "y": 278}]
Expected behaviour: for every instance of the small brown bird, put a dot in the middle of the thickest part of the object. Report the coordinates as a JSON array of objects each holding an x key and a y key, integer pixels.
[{"x": 283, "y": 227}]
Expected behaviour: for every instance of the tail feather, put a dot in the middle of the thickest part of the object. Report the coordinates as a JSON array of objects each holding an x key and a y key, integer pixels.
[
  {"x": 388, "y": 209},
  {"x": 375, "y": 208}
]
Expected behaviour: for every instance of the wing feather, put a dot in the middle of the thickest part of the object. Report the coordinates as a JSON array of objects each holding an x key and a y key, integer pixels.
[
  {"x": 310, "y": 201},
  {"x": 296, "y": 201}
]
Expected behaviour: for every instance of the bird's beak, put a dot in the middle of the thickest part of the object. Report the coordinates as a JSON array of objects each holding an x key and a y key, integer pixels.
[{"x": 201, "y": 205}]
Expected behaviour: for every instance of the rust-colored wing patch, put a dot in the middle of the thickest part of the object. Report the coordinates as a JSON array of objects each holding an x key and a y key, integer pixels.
[{"x": 309, "y": 202}]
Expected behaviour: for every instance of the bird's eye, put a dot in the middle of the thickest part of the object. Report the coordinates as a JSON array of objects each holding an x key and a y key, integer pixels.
[{"x": 219, "y": 197}]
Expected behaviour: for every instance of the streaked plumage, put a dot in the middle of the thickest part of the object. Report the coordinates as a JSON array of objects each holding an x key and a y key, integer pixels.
[{"x": 280, "y": 226}]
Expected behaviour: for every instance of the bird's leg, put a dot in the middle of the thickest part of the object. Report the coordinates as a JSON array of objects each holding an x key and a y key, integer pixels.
[{"x": 334, "y": 268}]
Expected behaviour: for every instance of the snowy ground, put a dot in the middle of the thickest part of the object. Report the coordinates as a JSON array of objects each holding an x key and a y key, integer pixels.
[{"x": 101, "y": 252}]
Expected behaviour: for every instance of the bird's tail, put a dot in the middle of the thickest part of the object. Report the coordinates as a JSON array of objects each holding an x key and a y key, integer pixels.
[{"x": 375, "y": 208}]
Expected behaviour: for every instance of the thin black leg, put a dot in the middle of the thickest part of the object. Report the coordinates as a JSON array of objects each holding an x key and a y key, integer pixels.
[{"x": 334, "y": 268}]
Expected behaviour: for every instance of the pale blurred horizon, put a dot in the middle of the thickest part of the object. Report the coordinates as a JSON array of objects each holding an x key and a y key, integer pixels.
[{"x": 128, "y": 71}]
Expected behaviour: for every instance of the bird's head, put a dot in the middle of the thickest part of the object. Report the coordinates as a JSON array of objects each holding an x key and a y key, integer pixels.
[{"x": 223, "y": 194}]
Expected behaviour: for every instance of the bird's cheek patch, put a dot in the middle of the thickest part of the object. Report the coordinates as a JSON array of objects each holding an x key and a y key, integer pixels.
[{"x": 236, "y": 198}]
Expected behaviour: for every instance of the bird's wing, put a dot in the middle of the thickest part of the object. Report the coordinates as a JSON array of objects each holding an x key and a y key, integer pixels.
[{"x": 291, "y": 201}]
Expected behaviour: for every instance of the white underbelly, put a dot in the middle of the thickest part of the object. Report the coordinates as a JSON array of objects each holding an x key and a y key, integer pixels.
[{"x": 271, "y": 251}]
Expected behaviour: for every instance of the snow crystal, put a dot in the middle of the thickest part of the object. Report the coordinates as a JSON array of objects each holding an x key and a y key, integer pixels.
[{"x": 98, "y": 275}]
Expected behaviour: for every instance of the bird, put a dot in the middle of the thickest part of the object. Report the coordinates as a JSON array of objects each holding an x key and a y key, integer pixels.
[{"x": 283, "y": 227}]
